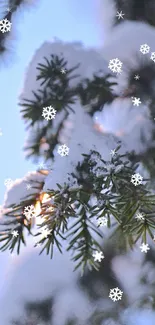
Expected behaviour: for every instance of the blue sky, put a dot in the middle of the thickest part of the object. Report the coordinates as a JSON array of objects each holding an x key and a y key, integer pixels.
[{"x": 67, "y": 20}]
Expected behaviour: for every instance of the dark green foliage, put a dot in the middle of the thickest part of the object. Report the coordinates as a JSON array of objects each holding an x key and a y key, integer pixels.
[
  {"x": 114, "y": 197},
  {"x": 13, "y": 6},
  {"x": 136, "y": 10},
  {"x": 56, "y": 91},
  {"x": 36, "y": 313}
]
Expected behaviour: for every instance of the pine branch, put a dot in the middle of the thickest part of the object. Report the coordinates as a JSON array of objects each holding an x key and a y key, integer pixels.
[
  {"x": 72, "y": 212},
  {"x": 13, "y": 7}
]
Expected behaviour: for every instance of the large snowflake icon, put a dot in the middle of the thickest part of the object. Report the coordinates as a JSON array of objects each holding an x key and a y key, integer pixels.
[
  {"x": 8, "y": 182},
  {"x": 136, "y": 101},
  {"x": 63, "y": 150},
  {"x": 144, "y": 248},
  {"x": 98, "y": 256},
  {"x": 115, "y": 294},
  {"x": 144, "y": 48},
  {"x": 102, "y": 222},
  {"x": 152, "y": 56},
  {"x": 49, "y": 113},
  {"x": 29, "y": 211},
  {"x": 5, "y": 25},
  {"x": 115, "y": 65},
  {"x": 136, "y": 179},
  {"x": 140, "y": 216}
]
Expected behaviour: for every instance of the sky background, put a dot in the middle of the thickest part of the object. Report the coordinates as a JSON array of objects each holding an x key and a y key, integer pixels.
[{"x": 68, "y": 20}]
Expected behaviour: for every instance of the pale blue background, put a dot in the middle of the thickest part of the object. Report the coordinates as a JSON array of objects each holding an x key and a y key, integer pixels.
[{"x": 68, "y": 20}]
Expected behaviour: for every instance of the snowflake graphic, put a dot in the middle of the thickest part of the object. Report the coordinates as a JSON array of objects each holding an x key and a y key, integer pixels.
[
  {"x": 102, "y": 222},
  {"x": 5, "y": 25},
  {"x": 45, "y": 232},
  {"x": 29, "y": 211},
  {"x": 1, "y": 210},
  {"x": 98, "y": 256},
  {"x": 140, "y": 216},
  {"x": 113, "y": 152},
  {"x": 115, "y": 294},
  {"x": 63, "y": 150},
  {"x": 152, "y": 56},
  {"x": 137, "y": 77},
  {"x": 63, "y": 71},
  {"x": 136, "y": 101},
  {"x": 49, "y": 113},
  {"x": 136, "y": 179},
  {"x": 15, "y": 233},
  {"x": 120, "y": 15},
  {"x": 8, "y": 182},
  {"x": 144, "y": 48},
  {"x": 115, "y": 65},
  {"x": 144, "y": 248},
  {"x": 28, "y": 186}
]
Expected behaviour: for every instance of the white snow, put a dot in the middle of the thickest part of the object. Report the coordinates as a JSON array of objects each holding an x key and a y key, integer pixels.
[{"x": 33, "y": 277}]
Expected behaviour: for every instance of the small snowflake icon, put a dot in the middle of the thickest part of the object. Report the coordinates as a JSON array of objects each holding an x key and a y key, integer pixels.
[
  {"x": 98, "y": 256},
  {"x": 140, "y": 216},
  {"x": 137, "y": 77},
  {"x": 152, "y": 56},
  {"x": 120, "y": 15},
  {"x": 49, "y": 113},
  {"x": 136, "y": 101},
  {"x": 113, "y": 152},
  {"x": 102, "y": 222},
  {"x": 45, "y": 232},
  {"x": 63, "y": 71},
  {"x": 28, "y": 186},
  {"x": 29, "y": 211},
  {"x": 136, "y": 179},
  {"x": 63, "y": 150},
  {"x": 144, "y": 48},
  {"x": 144, "y": 248},
  {"x": 5, "y": 25},
  {"x": 115, "y": 294},
  {"x": 15, "y": 233},
  {"x": 115, "y": 65},
  {"x": 8, "y": 183}
]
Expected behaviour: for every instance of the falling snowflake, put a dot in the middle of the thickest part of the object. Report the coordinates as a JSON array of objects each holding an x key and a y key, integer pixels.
[
  {"x": 115, "y": 294},
  {"x": 49, "y": 113},
  {"x": 63, "y": 150},
  {"x": 1, "y": 210},
  {"x": 15, "y": 233},
  {"x": 98, "y": 256},
  {"x": 144, "y": 49},
  {"x": 136, "y": 101},
  {"x": 152, "y": 56},
  {"x": 5, "y": 25},
  {"x": 28, "y": 186},
  {"x": 120, "y": 15},
  {"x": 113, "y": 152},
  {"x": 136, "y": 179},
  {"x": 137, "y": 77},
  {"x": 144, "y": 248},
  {"x": 8, "y": 182},
  {"x": 140, "y": 216},
  {"x": 102, "y": 221},
  {"x": 29, "y": 211},
  {"x": 63, "y": 71},
  {"x": 115, "y": 65},
  {"x": 45, "y": 232}
]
